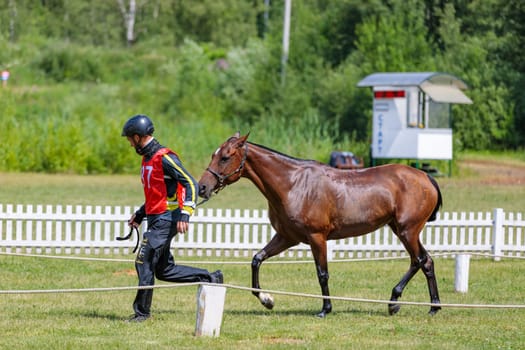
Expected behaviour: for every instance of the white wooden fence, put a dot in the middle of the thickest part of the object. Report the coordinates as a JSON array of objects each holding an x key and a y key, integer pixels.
[{"x": 93, "y": 230}]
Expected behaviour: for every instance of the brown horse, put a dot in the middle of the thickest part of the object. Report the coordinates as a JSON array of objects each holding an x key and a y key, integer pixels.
[{"x": 310, "y": 202}]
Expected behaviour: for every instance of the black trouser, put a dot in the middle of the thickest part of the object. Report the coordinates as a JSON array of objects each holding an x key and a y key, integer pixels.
[{"x": 154, "y": 259}]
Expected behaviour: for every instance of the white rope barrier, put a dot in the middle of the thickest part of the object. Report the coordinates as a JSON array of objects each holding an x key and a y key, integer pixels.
[
  {"x": 196, "y": 261},
  {"x": 378, "y": 301},
  {"x": 305, "y": 295},
  {"x": 88, "y": 290},
  {"x": 488, "y": 255},
  {"x": 66, "y": 257},
  {"x": 294, "y": 294}
]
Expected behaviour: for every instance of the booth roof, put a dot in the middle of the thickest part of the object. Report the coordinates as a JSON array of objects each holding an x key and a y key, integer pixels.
[
  {"x": 441, "y": 87},
  {"x": 412, "y": 79}
]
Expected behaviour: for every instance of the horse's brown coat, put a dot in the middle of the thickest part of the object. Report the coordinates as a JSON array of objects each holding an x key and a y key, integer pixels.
[{"x": 310, "y": 202}]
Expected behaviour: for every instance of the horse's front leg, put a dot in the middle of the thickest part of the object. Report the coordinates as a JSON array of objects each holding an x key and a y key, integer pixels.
[
  {"x": 318, "y": 247},
  {"x": 322, "y": 275},
  {"x": 276, "y": 245},
  {"x": 265, "y": 298}
]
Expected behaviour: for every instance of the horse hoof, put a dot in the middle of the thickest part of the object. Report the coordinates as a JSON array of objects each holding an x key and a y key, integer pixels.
[
  {"x": 267, "y": 300},
  {"x": 393, "y": 308}
]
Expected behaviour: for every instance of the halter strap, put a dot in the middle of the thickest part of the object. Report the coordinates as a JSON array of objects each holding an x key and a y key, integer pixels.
[{"x": 221, "y": 178}]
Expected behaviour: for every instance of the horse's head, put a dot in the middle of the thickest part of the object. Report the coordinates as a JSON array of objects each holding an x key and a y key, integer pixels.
[{"x": 225, "y": 167}]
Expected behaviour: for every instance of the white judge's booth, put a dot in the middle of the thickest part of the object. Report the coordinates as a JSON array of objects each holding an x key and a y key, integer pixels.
[{"x": 412, "y": 113}]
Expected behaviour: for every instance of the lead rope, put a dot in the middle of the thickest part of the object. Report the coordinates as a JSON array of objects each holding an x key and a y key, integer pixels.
[
  {"x": 128, "y": 236},
  {"x": 207, "y": 199},
  {"x": 202, "y": 202}
]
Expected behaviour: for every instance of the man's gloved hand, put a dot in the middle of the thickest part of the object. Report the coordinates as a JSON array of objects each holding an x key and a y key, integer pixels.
[
  {"x": 183, "y": 224},
  {"x": 136, "y": 219}
]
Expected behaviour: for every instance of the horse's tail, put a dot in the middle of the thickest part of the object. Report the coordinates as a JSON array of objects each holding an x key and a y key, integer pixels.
[{"x": 439, "y": 201}]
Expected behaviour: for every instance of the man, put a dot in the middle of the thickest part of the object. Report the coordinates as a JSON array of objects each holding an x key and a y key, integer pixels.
[{"x": 170, "y": 194}]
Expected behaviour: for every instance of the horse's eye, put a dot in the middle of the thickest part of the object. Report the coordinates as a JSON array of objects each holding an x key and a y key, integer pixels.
[{"x": 224, "y": 159}]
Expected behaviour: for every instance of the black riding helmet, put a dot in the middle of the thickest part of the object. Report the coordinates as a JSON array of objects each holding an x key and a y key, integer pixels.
[{"x": 138, "y": 125}]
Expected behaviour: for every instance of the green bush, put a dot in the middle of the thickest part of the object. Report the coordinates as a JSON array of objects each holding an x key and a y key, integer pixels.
[{"x": 63, "y": 63}]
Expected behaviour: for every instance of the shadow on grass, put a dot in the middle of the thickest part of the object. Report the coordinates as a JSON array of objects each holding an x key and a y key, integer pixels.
[
  {"x": 288, "y": 312},
  {"x": 302, "y": 312},
  {"x": 105, "y": 316}
]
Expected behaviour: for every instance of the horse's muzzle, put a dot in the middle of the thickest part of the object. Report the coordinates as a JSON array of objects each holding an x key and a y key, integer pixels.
[
  {"x": 207, "y": 184},
  {"x": 210, "y": 182},
  {"x": 204, "y": 192}
]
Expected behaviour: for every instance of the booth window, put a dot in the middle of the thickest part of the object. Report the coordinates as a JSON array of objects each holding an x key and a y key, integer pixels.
[
  {"x": 440, "y": 113},
  {"x": 416, "y": 109}
]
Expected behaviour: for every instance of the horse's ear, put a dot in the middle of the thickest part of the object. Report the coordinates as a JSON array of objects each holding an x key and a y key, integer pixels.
[{"x": 242, "y": 140}]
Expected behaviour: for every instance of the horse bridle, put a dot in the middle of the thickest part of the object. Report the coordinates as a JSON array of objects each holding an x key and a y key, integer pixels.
[{"x": 221, "y": 178}]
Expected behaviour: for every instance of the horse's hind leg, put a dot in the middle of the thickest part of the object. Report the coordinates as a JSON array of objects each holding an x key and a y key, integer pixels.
[
  {"x": 318, "y": 247},
  {"x": 398, "y": 289},
  {"x": 276, "y": 245},
  {"x": 424, "y": 262},
  {"x": 427, "y": 267}
]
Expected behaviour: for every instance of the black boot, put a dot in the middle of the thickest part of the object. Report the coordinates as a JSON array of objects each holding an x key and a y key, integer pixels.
[
  {"x": 217, "y": 277},
  {"x": 142, "y": 304},
  {"x": 138, "y": 318}
]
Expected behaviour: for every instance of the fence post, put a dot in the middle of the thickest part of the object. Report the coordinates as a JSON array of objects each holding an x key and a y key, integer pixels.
[
  {"x": 210, "y": 307},
  {"x": 461, "y": 275},
  {"x": 497, "y": 233},
  {"x": 330, "y": 250}
]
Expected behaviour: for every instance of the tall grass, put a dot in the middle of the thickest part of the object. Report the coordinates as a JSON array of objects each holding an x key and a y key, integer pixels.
[
  {"x": 65, "y": 105},
  {"x": 317, "y": 139}
]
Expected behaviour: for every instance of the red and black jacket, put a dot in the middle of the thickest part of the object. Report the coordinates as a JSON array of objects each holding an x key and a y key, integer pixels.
[{"x": 167, "y": 184}]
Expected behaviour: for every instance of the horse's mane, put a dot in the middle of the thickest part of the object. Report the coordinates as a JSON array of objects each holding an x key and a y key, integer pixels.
[{"x": 282, "y": 154}]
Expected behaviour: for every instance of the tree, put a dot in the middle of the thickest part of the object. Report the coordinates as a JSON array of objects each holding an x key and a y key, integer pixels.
[
  {"x": 224, "y": 23},
  {"x": 12, "y": 19},
  {"x": 513, "y": 12},
  {"x": 128, "y": 16},
  {"x": 489, "y": 121},
  {"x": 339, "y": 21},
  {"x": 395, "y": 41}
]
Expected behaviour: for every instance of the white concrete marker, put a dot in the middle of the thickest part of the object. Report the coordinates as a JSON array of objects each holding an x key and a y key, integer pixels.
[
  {"x": 210, "y": 306},
  {"x": 462, "y": 269}
]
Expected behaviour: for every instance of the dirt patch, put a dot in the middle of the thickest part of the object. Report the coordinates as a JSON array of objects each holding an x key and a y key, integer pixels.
[
  {"x": 285, "y": 341},
  {"x": 127, "y": 272},
  {"x": 495, "y": 172}
]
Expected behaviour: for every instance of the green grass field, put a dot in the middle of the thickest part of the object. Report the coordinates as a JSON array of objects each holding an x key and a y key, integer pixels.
[{"x": 95, "y": 320}]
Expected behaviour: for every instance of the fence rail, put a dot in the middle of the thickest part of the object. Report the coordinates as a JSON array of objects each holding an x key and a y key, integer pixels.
[{"x": 215, "y": 232}]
